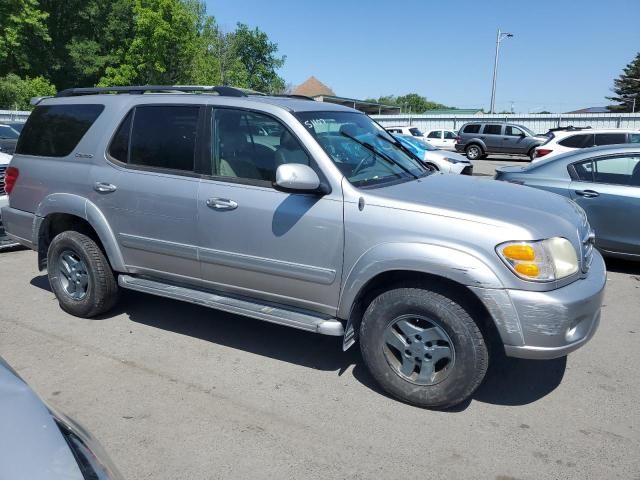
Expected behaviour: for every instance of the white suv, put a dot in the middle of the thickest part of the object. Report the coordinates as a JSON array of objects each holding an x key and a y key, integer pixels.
[
  {"x": 562, "y": 140},
  {"x": 405, "y": 130}
]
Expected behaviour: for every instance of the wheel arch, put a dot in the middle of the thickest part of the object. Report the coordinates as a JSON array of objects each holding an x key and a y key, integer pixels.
[{"x": 60, "y": 212}]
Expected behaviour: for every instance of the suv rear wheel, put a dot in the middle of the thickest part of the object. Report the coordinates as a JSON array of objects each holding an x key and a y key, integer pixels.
[
  {"x": 423, "y": 347},
  {"x": 80, "y": 275},
  {"x": 474, "y": 152}
]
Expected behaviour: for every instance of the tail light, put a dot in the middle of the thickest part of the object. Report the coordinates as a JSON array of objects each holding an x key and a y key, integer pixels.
[
  {"x": 541, "y": 152},
  {"x": 10, "y": 177},
  {"x": 456, "y": 140}
]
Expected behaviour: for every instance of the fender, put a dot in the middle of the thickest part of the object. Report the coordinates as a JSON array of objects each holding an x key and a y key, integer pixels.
[
  {"x": 83, "y": 208},
  {"x": 456, "y": 265}
]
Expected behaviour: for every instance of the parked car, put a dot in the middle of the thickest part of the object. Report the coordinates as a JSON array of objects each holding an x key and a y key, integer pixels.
[
  {"x": 563, "y": 140},
  {"x": 439, "y": 138},
  {"x": 8, "y": 139},
  {"x": 5, "y": 241},
  {"x": 17, "y": 126},
  {"x": 479, "y": 139},
  {"x": 447, "y": 162},
  {"x": 604, "y": 181},
  {"x": 405, "y": 130},
  {"x": 330, "y": 227},
  {"x": 38, "y": 442}
]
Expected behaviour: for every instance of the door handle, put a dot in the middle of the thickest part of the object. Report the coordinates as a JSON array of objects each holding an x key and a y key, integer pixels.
[
  {"x": 103, "y": 187},
  {"x": 587, "y": 193},
  {"x": 221, "y": 204}
]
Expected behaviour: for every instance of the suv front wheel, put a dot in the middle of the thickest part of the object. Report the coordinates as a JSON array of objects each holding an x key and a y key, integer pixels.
[
  {"x": 474, "y": 152},
  {"x": 423, "y": 347},
  {"x": 80, "y": 275}
]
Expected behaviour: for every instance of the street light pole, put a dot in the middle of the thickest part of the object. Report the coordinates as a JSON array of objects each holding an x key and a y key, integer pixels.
[{"x": 501, "y": 36}]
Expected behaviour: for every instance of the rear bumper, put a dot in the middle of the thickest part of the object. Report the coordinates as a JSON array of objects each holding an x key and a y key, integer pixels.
[
  {"x": 545, "y": 325},
  {"x": 5, "y": 240},
  {"x": 18, "y": 225}
]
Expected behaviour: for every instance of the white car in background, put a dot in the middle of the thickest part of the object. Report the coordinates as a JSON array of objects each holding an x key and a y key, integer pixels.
[
  {"x": 442, "y": 138},
  {"x": 562, "y": 140},
  {"x": 443, "y": 161},
  {"x": 4, "y": 201},
  {"x": 405, "y": 130}
]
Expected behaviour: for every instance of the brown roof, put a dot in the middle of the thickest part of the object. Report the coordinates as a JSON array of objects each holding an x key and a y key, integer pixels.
[{"x": 313, "y": 87}]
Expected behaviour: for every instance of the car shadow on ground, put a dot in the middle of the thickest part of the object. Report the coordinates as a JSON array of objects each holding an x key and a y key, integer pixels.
[
  {"x": 509, "y": 381},
  {"x": 619, "y": 265}
]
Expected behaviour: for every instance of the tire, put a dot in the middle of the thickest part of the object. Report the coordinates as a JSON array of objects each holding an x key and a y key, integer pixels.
[
  {"x": 473, "y": 152},
  {"x": 532, "y": 154},
  {"x": 80, "y": 275},
  {"x": 433, "y": 166},
  {"x": 453, "y": 380}
]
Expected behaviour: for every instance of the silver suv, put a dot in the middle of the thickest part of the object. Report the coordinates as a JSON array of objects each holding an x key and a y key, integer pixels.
[
  {"x": 479, "y": 139},
  {"x": 304, "y": 214}
]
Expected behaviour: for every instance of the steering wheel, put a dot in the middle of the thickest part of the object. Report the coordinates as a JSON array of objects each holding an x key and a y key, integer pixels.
[{"x": 361, "y": 163}]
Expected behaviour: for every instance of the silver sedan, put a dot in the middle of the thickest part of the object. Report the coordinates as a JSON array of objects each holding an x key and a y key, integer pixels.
[{"x": 604, "y": 181}]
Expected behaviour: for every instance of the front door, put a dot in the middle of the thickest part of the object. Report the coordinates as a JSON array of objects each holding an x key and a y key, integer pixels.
[
  {"x": 435, "y": 138},
  {"x": 449, "y": 140},
  {"x": 515, "y": 140},
  {"x": 257, "y": 241},
  {"x": 147, "y": 190},
  {"x": 609, "y": 191}
]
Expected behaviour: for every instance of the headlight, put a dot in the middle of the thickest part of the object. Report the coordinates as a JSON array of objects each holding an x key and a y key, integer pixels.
[
  {"x": 542, "y": 260},
  {"x": 453, "y": 160}
]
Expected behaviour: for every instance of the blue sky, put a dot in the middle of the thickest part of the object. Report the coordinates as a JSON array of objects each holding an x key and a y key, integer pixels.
[{"x": 564, "y": 55}]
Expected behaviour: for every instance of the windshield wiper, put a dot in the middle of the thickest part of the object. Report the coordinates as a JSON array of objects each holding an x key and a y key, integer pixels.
[
  {"x": 384, "y": 156},
  {"x": 399, "y": 144}
]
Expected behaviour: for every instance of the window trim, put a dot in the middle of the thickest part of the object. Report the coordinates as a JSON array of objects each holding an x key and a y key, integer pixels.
[
  {"x": 207, "y": 155},
  {"x": 574, "y": 175},
  {"x": 151, "y": 169}
]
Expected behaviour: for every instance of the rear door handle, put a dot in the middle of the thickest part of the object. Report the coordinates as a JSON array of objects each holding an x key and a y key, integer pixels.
[
  {"x": 221, "y": 204},
  {"x": 587, "y": 193},
  {"x": 103, "y": 187}
]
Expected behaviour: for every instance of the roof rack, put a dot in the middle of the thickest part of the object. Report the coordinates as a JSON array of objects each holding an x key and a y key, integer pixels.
[
  {"x": 300, "y": 97},
  {"x": 569, "y": 127},
  {"x": 138, "y": 90}
]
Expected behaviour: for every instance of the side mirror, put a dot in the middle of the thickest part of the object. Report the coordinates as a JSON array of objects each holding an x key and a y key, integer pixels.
[{"x": 296, "y": 177}]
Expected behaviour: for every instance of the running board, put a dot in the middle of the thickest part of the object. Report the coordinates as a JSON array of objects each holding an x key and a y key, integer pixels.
[{"x": 269, "y": 313}]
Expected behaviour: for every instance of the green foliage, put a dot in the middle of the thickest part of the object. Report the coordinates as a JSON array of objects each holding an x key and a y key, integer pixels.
[
  {"x": 21, "y": 23},
  {"x": 410, "y": 103},
  {"x": 16, "y": 92},
  {"x": 627, "y": 87},
  {"x": 122, "y": 42}
]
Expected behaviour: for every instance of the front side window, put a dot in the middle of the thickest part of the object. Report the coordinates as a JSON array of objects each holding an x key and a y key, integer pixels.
[
  {"x": 584, "y": 140},
  {"x": 610, "y": 138},
  {"x": 513, "y": 131},
  {"x": 473, "y": 128},
  {"x": 613, "y": 170},
  {"x": 251, "y": 146},
  {"x": 364, "y": 152},
  {"x": 158, "y": 136},
  {"x": 634, "y": 138},
  {"x": 492, "y": 129},
  {"x": 55, "y": 130},
  {"x": 434, "y": 134}
]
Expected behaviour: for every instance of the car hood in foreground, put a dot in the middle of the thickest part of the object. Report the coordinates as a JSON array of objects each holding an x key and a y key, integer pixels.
[{"x": 540, "y": 214}]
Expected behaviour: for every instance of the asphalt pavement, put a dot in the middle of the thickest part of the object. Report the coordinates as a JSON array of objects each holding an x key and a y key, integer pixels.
[{"x": 178, "y": 391}]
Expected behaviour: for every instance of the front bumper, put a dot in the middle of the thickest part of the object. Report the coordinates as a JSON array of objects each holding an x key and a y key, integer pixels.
[{"x": 545, "y": 325}]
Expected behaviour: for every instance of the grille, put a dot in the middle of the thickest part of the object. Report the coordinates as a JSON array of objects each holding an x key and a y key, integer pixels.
[{"x": 2, "y": 169}]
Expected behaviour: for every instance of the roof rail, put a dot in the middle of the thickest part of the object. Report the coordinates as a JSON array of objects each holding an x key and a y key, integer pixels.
[
  {"x": 300, "y": 97},
  {"x": 569, "y": 128},
  {"x": 138, "y": 90}
]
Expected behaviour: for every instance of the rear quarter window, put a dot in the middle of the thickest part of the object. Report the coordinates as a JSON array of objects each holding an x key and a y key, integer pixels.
[
  {"x": 578, "y": 141},
  {"x": 55, "y": 130}
]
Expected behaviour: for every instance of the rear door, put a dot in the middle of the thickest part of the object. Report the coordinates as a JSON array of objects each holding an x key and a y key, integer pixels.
[
  {"x": 492, "y": 137},
  {"x": 608, "y": 189},
  {"x": 449, "y": 140},
  {"x": 147, "y": 189}
]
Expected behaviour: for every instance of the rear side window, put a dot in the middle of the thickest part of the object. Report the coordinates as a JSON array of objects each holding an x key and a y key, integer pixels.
[
  {"x": 474, "y": 128},
  {"x": 578, "y": 141},
  {"x": 634, "y": 138},
  {"x": 492, "y": 129},
  {"x": 434, "y": 134},
  {"x": 158, "y": 136},
  {"x": 610, "y": 138},
  {"x": 55, "y": 130},
  {"x": 449, "y": 135}
]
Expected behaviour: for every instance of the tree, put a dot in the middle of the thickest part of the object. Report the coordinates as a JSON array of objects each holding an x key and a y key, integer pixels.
[
  {"x": 627, "y": 88},
  {"x": 22, "y": 23},
  {"x": 411, "y": 102},
  {"x": 257, "y": 55},
  {"x": 16, "y": 92}
]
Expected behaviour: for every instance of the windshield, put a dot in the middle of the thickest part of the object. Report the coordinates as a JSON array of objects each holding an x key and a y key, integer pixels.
[
  {"x": 415, "y": 132},
  {"x": 415, "y": 142},
  {"x": 362, "y": 150},
  {"x": 526, "y": 130}
]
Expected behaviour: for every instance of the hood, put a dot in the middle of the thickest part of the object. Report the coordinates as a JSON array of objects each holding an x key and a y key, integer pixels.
[
  {"x": 536, "y": 213},
  {"x": 4, "y": 158}
]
